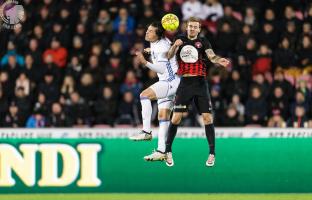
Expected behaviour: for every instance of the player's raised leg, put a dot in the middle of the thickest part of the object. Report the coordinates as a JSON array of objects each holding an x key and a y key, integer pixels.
[{"x": 145, "y": 97}]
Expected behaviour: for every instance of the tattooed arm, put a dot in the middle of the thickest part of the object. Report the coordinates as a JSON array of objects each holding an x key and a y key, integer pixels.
[
  {"x": 216, "y": 59},
  {"x": 174, "y": 48}
]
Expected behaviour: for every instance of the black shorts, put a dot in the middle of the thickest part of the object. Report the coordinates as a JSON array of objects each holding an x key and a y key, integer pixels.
[{"x": 194, "y": 88}]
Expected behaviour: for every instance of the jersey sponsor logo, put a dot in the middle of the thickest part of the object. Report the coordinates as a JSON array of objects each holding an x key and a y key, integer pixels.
[
  {"x": 79, "y": 162},
  {"x": 189, "y": 54},
  {"x": 198, "y": 45}
]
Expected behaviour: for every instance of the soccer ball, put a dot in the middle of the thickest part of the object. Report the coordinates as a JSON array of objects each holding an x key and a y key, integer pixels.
[{"x": 170, "y": 22}]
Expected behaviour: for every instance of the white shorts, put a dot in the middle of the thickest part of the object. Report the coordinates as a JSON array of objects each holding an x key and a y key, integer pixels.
[{"x": 165, "y": 92}]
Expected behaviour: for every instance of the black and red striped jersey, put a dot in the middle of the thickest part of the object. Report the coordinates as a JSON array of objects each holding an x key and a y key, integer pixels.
[{"x": 191, "y": 56}]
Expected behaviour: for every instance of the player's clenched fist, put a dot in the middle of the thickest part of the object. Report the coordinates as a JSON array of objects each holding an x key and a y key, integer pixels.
[
  {"x": 224, "y": 62},
  {"x": 141, "y": 58},
  {"x": 178, "y": 43}
]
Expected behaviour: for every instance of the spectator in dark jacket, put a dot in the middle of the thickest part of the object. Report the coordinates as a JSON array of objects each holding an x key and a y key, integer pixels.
[
  {"x": 218, "y": 103},
  {"x": 300, "y": 100},
  {"x": 35, "y": 51},
  {"x": 260, "y": 82},
  {"x": 256, "y": 107},
  {"x": 57, "y": 118},
  {"x": 279, "y": 81},
  {"x": 74, "y": 68},
  {"x": 128, "y": 110},
  {"x": 290, "y": 32},
  {"x": 284, "y": 56},
  {"x": 22, "y": 102},
  {"x": 49, "y": 88},
  {"x": 279, "y": 101},
  {"x": 79, "y": 48},
  {"x": 244, "y": 37},
  {"x": 78, "y": 110},
  {"x": 105, "y": 107},
  {"x": 116, "y": 67},
  {"x": 148, "y": 17},
  {"x": 95, "y": 69},
  {"x": 229, "y": 18},
  {"x": 13, "y": 68},
  {"x": 226, "y": 39},
  {"x": 41, "y": 105},
  {"x": 87, "y": 88},
  {"x": 13, "y": 118},
  {"x": 231, "y": 118},
  {"x": 235, "y": 85},
  {"x": 270, "y": 18},
  {"x": 7, "y": 85},
  {"x": 268, "y": 35},
  {"x": 32, "y": 71},
  {"x": 305, "y": 54}
]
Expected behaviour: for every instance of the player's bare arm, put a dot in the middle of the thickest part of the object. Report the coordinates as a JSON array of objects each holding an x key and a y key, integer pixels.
[
  {"x": 216, "y": 59},
  {"x": 174, "y": 48},
  {"x": 141, "y": 58}
]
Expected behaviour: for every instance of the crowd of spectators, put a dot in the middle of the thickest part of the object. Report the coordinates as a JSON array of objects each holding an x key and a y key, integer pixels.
[{"x": 72, "y": 62}]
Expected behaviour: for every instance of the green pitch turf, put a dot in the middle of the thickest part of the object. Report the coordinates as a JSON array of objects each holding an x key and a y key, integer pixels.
[{"x": 158, "y": 197}]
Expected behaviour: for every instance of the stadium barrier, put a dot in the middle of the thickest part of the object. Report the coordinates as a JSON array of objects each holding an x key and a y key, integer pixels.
[{"x": 249, "y": 160}]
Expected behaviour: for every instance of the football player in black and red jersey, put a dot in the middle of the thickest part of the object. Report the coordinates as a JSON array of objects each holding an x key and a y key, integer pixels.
[{"x": 191, "y": 52}]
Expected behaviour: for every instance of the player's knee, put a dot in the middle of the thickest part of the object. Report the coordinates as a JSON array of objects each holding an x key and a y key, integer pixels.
[
  {"x": 207, "y": 118},
  {"x": 161, "y": 116},
  {"x": 164, "y": 115},
  {"x": 148, "y": 93},
  {"x": 176, "y": 118},
  {"x": 144, "y": 94}
]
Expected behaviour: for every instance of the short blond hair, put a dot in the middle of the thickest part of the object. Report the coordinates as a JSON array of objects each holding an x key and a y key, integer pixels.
[{"x": 193, "y": 19}]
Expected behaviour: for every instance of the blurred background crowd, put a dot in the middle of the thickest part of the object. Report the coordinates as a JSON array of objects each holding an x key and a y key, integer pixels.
[{"x": 71, "y": 62}]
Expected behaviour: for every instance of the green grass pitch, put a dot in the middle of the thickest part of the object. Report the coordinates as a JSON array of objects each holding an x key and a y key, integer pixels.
[{"x": 157, "y": 196}]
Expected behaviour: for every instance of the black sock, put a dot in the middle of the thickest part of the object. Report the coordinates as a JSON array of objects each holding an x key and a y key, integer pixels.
[
  {"x": 210, "y": 135},
  {"x": 172, "y": 131}
]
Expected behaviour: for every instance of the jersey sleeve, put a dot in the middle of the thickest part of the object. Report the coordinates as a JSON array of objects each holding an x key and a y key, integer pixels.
[
  {"x": 159, "y": 67},
  {"x": 206, "y": 44},
  {"x": 162, "y": 51}
]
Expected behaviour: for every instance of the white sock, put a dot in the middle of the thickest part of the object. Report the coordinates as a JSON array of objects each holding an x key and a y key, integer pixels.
[
  {"x": 146, "y": 113},
  {"x": 162, "y": 134}
]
